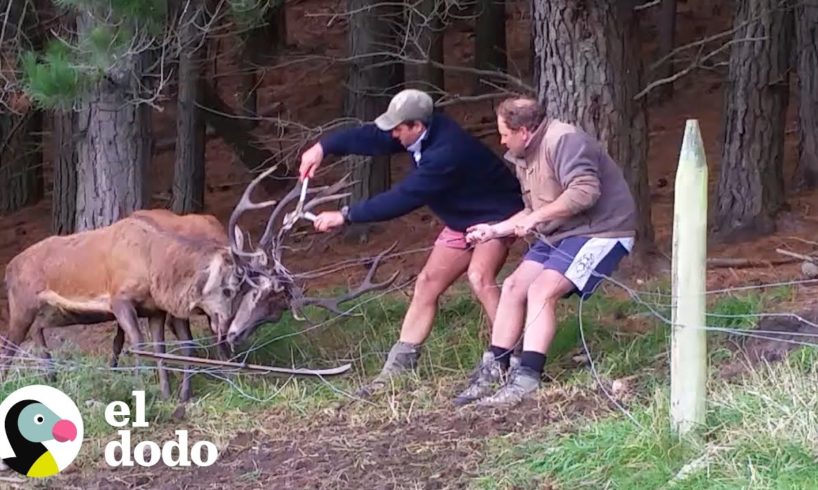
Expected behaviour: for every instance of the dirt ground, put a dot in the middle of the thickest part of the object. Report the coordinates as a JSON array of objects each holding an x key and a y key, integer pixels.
[
  {"x": 345, "y": 449},
  {"x": 318, "y": 454}
]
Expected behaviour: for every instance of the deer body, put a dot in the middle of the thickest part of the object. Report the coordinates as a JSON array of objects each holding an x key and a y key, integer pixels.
[{"x": 120, "y": 272}]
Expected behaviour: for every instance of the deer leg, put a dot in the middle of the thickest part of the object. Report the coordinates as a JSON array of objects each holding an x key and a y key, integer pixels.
[
  {"x": 19, "y": 325},
  {"x": 157, "y": 326},
  {"x": 125, "y": 314},
  {"x": 181, "y": 329},
  {"x": 39, "y": 338},
  {"x": 119, "y": 341}
]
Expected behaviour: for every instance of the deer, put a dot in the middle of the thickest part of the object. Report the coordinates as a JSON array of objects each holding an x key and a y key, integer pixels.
[
  {"x": 265, "y": 300},
  {"x": 132, "y": 268},
  {"x": 203, "y": 226},
  {"x": 140, "y": 267}
]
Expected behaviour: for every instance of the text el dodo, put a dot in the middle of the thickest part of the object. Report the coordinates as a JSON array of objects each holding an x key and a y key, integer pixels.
[{"x": 147, "y": 453}]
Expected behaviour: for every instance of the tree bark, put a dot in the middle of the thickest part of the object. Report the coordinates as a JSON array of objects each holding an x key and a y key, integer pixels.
[
  {"x": 751, "y": 184},
  {"x": 666, "y": 23},
  {"x": 113, "y": 147},
  {"x": 21, "y": 160},
  {"x": 21, "y": 133},
  {"x": 261, "y": 45},
  {"x": 489, "y": 42},
  {"x": 189, "y": 171},
  {"x": 806, "y": 32},
  {"x": 64, "y": 194},
  {"x": 587, "y": 71},
  {"x": 370, "y": 81}
]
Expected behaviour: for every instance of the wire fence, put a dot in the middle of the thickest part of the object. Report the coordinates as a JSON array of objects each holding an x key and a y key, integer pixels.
[{"x": 657, "y": 305}]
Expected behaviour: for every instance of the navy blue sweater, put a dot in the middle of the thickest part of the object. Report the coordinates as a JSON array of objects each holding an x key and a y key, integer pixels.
[{"x": 461, "y": 180}]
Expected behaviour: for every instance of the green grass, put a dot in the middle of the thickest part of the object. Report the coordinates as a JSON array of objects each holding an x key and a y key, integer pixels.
[{"x": 760, "y": 433}]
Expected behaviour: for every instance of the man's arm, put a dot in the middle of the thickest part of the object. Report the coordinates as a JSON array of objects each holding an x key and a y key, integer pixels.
[
  {"x": 424, "y": 184},
  {"x": 361, "y": 140},
  {"x": 576, "y": 168}
]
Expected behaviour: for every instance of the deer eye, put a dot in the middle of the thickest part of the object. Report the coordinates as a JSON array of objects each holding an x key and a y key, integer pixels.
[{"x": 227, "y": 292}]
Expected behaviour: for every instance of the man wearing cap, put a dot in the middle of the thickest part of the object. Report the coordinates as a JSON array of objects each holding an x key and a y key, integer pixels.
[{"x": 459, "y": 178}]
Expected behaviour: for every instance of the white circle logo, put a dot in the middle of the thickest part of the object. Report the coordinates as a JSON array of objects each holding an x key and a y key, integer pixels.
[{"x": 41, "y": 431}]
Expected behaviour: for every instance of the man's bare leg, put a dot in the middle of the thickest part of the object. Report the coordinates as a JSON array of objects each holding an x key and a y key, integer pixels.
[
  {"x": 508, "y": 326},
  {"x": 442, "y": 268},
  {"x": 487, "y": 260},
  {"x": 540, "y": 328}
]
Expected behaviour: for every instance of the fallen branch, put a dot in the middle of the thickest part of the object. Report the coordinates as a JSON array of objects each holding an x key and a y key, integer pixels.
[
  {"x": 243, "y": 365},
  {"x": 795, "y": 255}
]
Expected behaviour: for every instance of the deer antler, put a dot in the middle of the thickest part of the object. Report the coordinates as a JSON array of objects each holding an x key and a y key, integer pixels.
[
  {"x": 321, "y": 195},
  {"x": 245, "y": 204},
  {"x": 332, "y": 304}
]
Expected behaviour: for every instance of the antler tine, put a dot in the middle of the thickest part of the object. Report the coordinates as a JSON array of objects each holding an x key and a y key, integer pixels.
[
  {"x": 318, "y": 191},
  {"x": 268, "y": 230},
  {"x": 332, "y": 304},
  {"x": 245, "y": 204}
]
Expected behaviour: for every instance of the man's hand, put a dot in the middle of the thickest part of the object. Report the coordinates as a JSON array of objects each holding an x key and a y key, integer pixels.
[
  {"x": 310, "y": 160},
  {"x": 480, "y": 233},
  {"x": 328, "y": 220},
  {"x": 526, "y": 225}
]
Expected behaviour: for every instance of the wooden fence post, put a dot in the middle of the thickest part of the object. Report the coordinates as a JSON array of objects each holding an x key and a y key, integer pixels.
[{"x": 688, "y": 358}]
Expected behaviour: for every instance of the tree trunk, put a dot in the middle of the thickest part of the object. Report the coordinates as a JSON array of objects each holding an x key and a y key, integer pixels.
[
  {"x": 64, "y": 194},
  {"x": 806, "y": 32},
  {"x": 112, "y": 148},
  {"x": 250, "y": 151},
  {"x": 64, "y": 160},
  {"x": 588, "y": 69},
  {"x": 751, "y": 184},
  {"x": 260, "y": 47},
  {"x": 370, "y": 81},
  {"x": 21, "y": 133},
  {"x": 430, "y": 43},
  {"x": 21, "y": 160},
  {"x": 489, "y": 42},
  {"x": 189, "y": 171},
  {"x": 666, "y": 23}
]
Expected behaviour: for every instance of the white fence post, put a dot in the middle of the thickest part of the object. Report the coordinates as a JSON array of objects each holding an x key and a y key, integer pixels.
[{"x": 688, "y": 357}]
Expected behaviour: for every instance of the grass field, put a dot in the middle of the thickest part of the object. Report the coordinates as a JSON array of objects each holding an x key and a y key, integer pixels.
[{"x": 760, "y": 431}]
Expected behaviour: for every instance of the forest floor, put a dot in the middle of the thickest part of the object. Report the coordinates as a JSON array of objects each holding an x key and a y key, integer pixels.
[{"x": 301, "y": 433}]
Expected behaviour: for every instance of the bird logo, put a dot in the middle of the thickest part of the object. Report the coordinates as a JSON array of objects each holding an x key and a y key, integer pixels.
[{"x": 42, "y": 431}]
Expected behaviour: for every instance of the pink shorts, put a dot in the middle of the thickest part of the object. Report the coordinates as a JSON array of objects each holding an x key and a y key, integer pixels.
[{"x": 456, "y": 239}]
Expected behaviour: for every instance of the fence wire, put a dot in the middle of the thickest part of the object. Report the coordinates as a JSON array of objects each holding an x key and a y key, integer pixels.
[{"x": 27, "y": 365}]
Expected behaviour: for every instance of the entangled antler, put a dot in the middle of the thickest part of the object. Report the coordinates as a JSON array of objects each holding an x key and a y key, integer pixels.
[
  {"x": 246, "y": 204},
  {"x": 332, "y": 303},
  {"x": 320, "y": 195}
]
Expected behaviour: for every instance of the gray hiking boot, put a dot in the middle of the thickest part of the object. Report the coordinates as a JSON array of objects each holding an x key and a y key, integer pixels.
[
  {"x": 522, "y": 382},
  {"x": 485, "y": 378},
  {"x": 402, "y": 358}
]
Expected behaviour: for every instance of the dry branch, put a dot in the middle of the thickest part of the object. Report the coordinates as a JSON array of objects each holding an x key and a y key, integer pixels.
[{"x": 243, "y": 365}]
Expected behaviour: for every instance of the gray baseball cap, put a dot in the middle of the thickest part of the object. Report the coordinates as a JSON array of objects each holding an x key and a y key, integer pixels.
[{"x": 406, "y": 105}]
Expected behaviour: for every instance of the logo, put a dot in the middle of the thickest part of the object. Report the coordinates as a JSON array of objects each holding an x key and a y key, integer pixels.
[
  {"x": 41, "y": 431},
  {"x": 172, "y": 453}
]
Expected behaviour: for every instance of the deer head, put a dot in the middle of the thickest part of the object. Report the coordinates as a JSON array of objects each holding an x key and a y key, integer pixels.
[{"x": 272, "y": 287}]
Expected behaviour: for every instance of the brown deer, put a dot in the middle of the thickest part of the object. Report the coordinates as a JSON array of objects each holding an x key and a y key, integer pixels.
[
  {"x": 132, "y": 268},
  {"x": 199, "y": 226},
  {"x": 144, "y": 266},
  {"x": 265, "y": 300}
]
